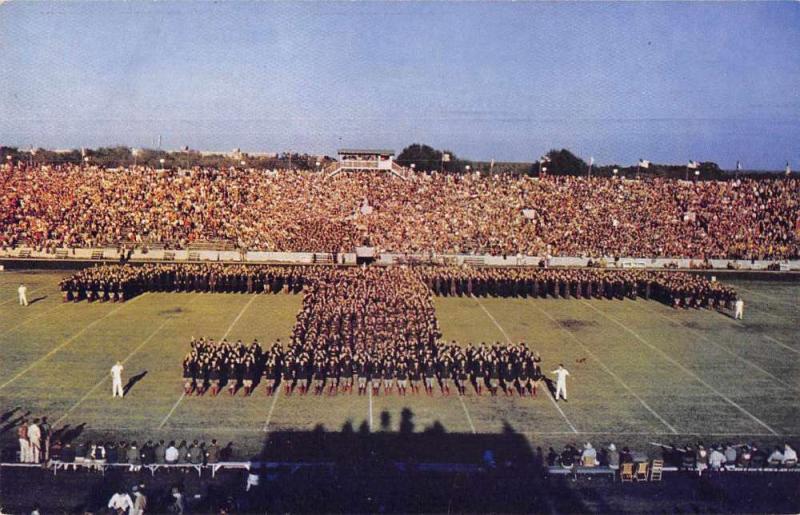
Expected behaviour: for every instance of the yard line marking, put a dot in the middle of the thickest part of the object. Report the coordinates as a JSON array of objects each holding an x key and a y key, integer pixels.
[
  {"x": 174, "y": 407},
  {"x": 607, "y": 370},
  {"x": 787, "y": 347},
  {"x": 31, "y": 319},
  {"x": 26, "y": 294},
  {"x": 737, "y": 356},
  {"x": 765, "y": 296},
  {"x": 466, "y": 412},
  {"x": 508, "y": 340},
  {"x": 105, "y": 377},
  {"x": 271, "y": 409},
  {"x": 686, "y": 370},
  {"x": 230, "y": 328},
  {"x": 68, "y": 341},
  {"x": 370, "y": 408}
]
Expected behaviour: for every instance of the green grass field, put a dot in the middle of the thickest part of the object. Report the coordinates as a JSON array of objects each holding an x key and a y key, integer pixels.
[{"x": 650, "y": 373}]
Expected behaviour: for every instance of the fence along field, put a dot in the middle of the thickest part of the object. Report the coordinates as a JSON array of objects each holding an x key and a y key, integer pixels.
[{"x": 641, "y": 371}]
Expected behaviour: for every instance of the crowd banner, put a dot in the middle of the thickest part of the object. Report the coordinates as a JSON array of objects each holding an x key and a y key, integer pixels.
[{"x": 140, "y": 254}]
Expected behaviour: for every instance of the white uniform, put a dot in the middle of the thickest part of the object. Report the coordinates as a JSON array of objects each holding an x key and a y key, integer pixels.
[
  {"x": 23, "y": 295},
  {"x": 35, "y": 442},
  {"x": 561, "y": 382},
  {"x": 116, "y": 378},
  {"x": 739, "y": 309}
]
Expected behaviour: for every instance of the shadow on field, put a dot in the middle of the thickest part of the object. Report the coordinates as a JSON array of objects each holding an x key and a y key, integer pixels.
[
  {"x": 37, "y": 299},
  {"x": 132, "y": 382},
  {"x": 416, "y": 469}
]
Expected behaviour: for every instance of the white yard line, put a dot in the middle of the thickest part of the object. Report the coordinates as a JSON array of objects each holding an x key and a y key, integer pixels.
[
  {"x": 230, "y": 328},
  {"x": 68, "y": 341},
  {"x": 778, "y": 342},
  {"x": 35, "y": 317},
  {"x": 466, "y": 412},
  {"x": 508, "y": 340},
  {"x": 272, "y": 408},
  {"x": 686, "y": 370},
  {"x": 735, "y": 355},
  {"x": 765, "y": 296},
  {"x": 608, "y": 370},
  {"x": 125, "y": 360},
  {"x": 16, "y": 297}
]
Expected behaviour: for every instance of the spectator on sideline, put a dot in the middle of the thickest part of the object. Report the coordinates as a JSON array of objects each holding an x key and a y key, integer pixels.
[{"x": 120, "y": 503}]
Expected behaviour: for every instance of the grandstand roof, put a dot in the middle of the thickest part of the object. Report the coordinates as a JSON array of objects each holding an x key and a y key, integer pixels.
[{"x": 365, "y": 151}]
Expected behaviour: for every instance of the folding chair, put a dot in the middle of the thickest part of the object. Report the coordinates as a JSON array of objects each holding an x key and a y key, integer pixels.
[
  {"x": 627, "y": 472},
  {"x": 656, "y": 470},
  {"x": 641, "y": 471}
]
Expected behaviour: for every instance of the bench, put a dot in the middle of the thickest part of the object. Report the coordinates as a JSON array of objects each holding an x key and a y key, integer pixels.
[{"x": 582, "y": 471}]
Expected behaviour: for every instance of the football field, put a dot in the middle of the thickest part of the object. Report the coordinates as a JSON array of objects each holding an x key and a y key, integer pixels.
[{"x": 640, "y": 371}]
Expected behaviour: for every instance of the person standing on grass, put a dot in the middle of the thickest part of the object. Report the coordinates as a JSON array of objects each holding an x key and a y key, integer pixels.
[
  {"x": 739, "y": 313},
  {"x": 35, "y": 442},
  {"x": 116, "y": 380},
  {"x": 561, "y": 381},
  {"x": 23, "y": 295},
  {"x": 24, "y": 443}
]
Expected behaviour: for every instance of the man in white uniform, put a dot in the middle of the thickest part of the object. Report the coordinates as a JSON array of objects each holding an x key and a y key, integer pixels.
[
  {"x": 561, "y": 381},
  {"x": 739, "y": 309},
  {"x": 35, "y": 442},
  {"x": 23, "y": 295},
  {"x": 116, "y": 378}
]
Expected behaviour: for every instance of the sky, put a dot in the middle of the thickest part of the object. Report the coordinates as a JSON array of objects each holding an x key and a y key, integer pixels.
[{"x": 661, "y": 81}]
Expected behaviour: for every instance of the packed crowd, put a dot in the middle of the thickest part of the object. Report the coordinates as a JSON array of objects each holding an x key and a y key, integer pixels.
[
  {"x": 121, "y": 282},
  {"x": 70, "y": 206},
  {"x": 699, "y": 458}
]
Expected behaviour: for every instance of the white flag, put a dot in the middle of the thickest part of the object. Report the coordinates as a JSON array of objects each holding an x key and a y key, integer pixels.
[
  {"x": 693, "y": 165},
  {"x": 788, "y": 168},
  {"x": 445, "y": 158},
  {"x": 643, "y": 163},
  {"x": 591, "y": 161}
]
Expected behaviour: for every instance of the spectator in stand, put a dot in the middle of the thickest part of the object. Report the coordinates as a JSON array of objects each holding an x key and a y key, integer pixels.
[
  {"x": 171, "y": 455},
  {"x": 120, "y": 503},
  {"x": 613, "y": 457},
  {"x": 789, "y": 456},
  {"x": 588, "y": 456},
  {"x": 716, "y": 458},
  {"x": 776, "y": 458}
]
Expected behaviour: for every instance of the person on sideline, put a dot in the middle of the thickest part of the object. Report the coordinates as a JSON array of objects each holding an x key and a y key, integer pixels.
[
  {"x": 561, "y": 381},
  {"x": 739, "y": 314},
  {"x": 116, "y": 378},
  {"x": 23, "y": 295}
]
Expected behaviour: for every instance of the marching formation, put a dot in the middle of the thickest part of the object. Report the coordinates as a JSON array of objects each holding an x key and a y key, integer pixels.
[
  {"x": 213, "y": 366},
  {"x": 49, "y": 207},
  {"x": 121, "y": 282},
  {"x": 678, "y": 289}
]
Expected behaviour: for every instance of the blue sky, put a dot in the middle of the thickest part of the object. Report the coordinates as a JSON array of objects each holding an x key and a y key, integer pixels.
[{"x": 661, "y": 81}]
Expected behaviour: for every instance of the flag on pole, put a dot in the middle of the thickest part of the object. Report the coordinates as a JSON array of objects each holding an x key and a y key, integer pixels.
[
  {"x": 693, "y": 165},
  {"x": 738, "y": 166},
  {"x": 644, "y": 163},
  {"x": 445, "y": 158},
  {"x": 591, "y": 161},
  {"x": 788, "y": 168}
]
